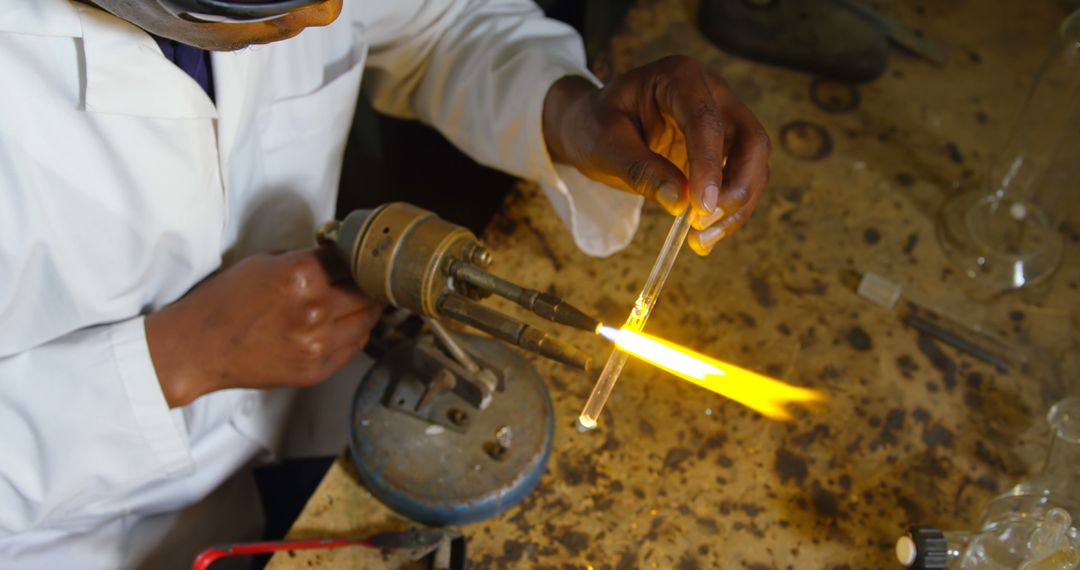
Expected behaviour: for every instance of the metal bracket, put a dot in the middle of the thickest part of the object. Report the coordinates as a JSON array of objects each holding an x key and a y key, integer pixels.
[{"x": 438, "y": 389}]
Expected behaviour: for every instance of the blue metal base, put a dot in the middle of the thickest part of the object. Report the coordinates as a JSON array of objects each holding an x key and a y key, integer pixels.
[{"x": 440, "y": 476}]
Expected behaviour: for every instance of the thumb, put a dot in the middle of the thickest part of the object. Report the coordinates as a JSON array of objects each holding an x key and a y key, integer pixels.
[{"x": 654, "y": 177}]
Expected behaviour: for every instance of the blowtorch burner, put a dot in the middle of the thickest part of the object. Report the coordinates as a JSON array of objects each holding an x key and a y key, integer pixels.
[{"x": 410, "y": 258}]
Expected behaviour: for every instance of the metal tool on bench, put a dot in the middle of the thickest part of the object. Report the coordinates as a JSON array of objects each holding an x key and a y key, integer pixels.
[{"x": 449, "y": 428}]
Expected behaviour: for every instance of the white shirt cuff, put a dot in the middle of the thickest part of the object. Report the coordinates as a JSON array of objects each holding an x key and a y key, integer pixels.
[
  {"x": 163, "y": 433},
  {"x": 601, "y": 219}
]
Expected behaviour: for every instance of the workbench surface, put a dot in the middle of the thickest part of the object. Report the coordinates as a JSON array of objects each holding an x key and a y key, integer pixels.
[{"x": 913, "y": 431}]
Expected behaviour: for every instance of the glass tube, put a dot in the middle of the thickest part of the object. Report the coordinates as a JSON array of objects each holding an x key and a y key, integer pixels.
[{"x": 636, "y": 321}]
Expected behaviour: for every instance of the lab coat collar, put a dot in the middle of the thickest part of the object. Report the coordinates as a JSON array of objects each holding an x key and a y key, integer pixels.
[
  {"x": 126, "y": 73},
  {"x": 40, "y": 18}
]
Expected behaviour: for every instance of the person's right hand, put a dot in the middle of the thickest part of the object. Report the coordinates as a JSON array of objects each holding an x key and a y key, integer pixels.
[{"x": 272, "y": 320}]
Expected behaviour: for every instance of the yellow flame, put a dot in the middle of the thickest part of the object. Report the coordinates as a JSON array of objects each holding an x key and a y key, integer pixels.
[{"x": 760, "y": 393}]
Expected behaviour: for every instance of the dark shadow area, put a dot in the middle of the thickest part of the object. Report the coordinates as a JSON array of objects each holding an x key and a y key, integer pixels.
[
  {"x": 284, "y": 489},
  {"x": 390, "y": 160}
]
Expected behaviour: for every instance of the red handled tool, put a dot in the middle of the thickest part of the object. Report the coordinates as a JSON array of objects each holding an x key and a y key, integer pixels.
[{"x": 446, "y": 547}]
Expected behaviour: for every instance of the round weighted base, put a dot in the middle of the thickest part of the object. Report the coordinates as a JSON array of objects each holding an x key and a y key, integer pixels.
[{"x": 437, "y": 475}]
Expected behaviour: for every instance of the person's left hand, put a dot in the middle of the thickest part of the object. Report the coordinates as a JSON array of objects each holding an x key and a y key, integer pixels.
[{"x": 660, "y": 130}]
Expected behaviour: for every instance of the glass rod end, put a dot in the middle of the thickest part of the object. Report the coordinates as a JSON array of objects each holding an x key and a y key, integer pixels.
[{"x": 585, "y": 423}]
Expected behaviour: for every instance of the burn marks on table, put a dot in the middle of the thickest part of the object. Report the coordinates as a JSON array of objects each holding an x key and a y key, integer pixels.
[
  {"x": 578, "y": 470},
  {"x": 859, "y": 339},
  {"x": 939, "y": 360},
  {"x": 790, "y": 466},
  {"x": 890, "y": 428},
  {"x": 953, "y": 152},
  {"x": 514, "y": 550},
  {"x": 906, "y": 365},
  {"x": 573, "y": 541},
  {"x": 910, "y": 243},
  {"x": 824, "y": 501},
  {"x": 871, "y": 236},
  {"x": 675, "y": 457},
  {"x": 937, "y": 435},
  {"x": 807, "y": 438},
  {"x": 762, "y": 291}
]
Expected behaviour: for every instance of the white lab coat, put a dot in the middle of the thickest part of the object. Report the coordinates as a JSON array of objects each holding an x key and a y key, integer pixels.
[{"x": 123, "y": 186}]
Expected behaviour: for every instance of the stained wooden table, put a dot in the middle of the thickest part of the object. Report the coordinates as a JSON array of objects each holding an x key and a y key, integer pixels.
[{"x": 914, "y": 431}]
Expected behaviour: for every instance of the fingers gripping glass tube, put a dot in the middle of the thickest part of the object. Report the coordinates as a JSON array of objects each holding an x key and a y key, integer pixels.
[{"x": 636, "y": 321}]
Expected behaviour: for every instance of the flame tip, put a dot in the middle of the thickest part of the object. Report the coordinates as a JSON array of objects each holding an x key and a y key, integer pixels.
[{"x": 765, "y": 395}]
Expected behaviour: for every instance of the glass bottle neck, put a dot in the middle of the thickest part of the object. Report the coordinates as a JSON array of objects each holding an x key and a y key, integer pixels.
[
  {"x": 1060, "y": 475},
  {"x": 1042, "y": 120},
  {"x": 957, "y": 542},
  {"x": 1063, "y": 458}
]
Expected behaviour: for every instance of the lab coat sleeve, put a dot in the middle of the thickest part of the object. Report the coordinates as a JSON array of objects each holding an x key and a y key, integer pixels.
[
  {"x": 82, "y": 419},
  {"x": 478, "y": 71}
]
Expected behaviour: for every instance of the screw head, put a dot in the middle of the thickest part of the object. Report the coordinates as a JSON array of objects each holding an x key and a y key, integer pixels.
[{"x": 480, "y": 255}]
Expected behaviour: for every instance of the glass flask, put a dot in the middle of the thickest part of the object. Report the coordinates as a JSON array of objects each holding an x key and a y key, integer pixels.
[
  {"x": 1005, "y": 233},
  {"x": 1033, "y": 526}
]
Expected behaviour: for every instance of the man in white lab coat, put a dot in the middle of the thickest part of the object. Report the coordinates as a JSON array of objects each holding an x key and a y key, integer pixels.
[{"x": 145, "y": 325}]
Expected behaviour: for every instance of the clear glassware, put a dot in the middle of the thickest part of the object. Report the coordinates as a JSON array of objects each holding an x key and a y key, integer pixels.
[
  {"x": 1032, "y": 526},
  {"x": 1006, "y": 235}
]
